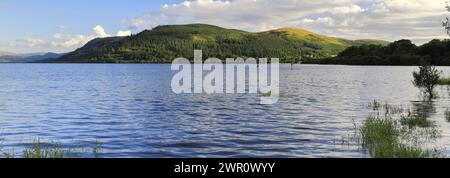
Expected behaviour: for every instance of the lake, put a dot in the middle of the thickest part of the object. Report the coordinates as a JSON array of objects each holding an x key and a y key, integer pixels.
[{"x": 132, "y": 111}]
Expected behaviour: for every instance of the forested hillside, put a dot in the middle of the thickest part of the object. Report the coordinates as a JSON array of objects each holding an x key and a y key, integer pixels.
[{"x": 165, "y": 43}]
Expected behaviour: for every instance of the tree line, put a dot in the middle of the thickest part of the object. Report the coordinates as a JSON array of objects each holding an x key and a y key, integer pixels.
[{"x": 402, "y": 52}]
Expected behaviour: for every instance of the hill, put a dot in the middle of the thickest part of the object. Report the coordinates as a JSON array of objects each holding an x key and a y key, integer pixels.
[
  {"x": 38, "y": 57},
  {"x": 165, "y": 43}
]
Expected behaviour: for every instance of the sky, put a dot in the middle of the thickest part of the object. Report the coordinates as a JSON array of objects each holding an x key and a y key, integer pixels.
[{"x": 65, "y": 25}]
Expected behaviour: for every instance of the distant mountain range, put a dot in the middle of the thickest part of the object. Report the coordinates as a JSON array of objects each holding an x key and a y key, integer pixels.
[
  {"x": 165, "y": 43},
  {"x": 21, "y": 58}
]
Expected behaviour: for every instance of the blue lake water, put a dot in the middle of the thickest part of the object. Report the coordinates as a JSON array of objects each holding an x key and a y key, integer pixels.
[{"x": 132, "y": 111}]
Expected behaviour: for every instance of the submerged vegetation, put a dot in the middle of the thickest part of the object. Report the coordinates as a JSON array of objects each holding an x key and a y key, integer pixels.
[
  {"x": 415, "y": 121},
  {"x": 447, "y": 115},
  {"x": 401, "y": 134},
  {"x": 39, "y": 149},
  {"x": 380, "y": 136}
]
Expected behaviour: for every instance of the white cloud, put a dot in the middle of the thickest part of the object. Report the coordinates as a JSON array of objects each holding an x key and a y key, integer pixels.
[
  {"x": 326, "y": 21},
  {"x": 352, "y": 9},
  {"x": 72, "y": 41},
  {"x": 32, "y": 42},
  {"x": 100, "y": 32},
  {"x": 124, "y": 33},
  {"x": 419, "y": 20},
  {"x": 252, "y": 15},
  {"x": 308, "y": 20},
  {"x": 383, "y": 19}
]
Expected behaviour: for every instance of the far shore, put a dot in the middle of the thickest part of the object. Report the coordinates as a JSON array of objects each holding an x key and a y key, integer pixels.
[{"x": 135, "y": 63}]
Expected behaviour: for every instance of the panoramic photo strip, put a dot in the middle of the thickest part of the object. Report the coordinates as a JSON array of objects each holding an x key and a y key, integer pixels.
[{"x": 223, "y": 87}]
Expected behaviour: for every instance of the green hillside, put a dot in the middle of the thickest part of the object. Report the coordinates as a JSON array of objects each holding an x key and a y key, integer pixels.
[{"x": 165, "y": 43}]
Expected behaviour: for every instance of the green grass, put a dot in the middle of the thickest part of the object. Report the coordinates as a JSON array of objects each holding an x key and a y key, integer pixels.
[
  {"x": 381, "y": 137},
  {"x": 399, "y": 133},
  {"x": 40, "y": 150},
  {"x": 444, "y": 81},
  {"x": 304, "y": 34}
]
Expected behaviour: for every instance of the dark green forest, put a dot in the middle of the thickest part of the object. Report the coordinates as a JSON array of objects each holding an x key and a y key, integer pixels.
[{"x": 402, "y": 52}]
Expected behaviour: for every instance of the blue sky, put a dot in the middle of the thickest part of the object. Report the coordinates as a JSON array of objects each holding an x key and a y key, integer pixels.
[
  {"x": 21, "y": 19},
  {"x": 64, "y": 25},
  {"x": 44, "y": 16}
]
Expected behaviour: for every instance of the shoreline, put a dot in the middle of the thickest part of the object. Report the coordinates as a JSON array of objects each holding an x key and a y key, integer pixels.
[{"x": 304, "y": 64}]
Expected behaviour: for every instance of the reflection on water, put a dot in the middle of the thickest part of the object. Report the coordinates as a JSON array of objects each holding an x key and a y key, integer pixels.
[{"x": 132, "y": 110}]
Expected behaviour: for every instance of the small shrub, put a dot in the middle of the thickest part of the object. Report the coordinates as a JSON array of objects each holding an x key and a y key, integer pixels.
[{"x": 426, "y": 79}]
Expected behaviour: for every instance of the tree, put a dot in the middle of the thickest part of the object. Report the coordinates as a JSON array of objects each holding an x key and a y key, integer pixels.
[
  {"x": 401, "y": 47},
  {"x": 426, "y": 79},
  {"x": 446, "y": 23}
]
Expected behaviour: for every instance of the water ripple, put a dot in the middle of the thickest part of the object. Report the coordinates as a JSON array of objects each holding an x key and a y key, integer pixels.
[{"x": 132, "y": 111}]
